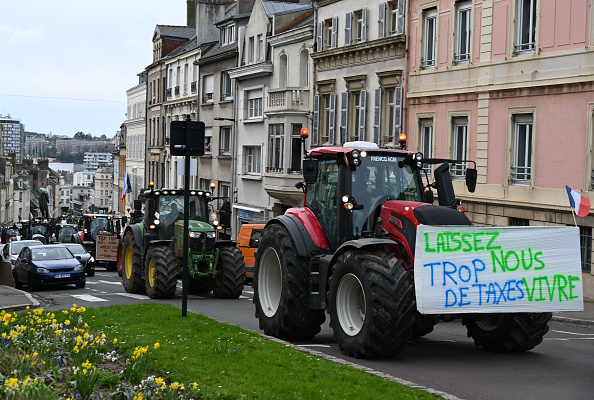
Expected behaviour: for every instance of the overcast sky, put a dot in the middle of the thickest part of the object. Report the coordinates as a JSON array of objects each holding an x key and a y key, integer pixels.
[{"x": 65, "y": 65}]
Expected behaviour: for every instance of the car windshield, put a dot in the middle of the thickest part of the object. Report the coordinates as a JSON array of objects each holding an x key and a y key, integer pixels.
[
  {"x": 98, "y": 224},
  {"x": 16, "y": 247},
  {"x": 41, "y": 229},
  {"x": 51, "y": 253},
  {"x": 172, "y": 207},
  {"x": 77, "y": 249},
  {"x": 66, "y": 232}
]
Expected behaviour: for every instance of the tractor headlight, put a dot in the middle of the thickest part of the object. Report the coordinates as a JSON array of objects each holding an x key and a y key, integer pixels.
[
  {"x": 156, "y": 222},
  {"x": 210, "y": 235},
  {"x": 195, "y": 234},
  {"x": 91, "y": 259}
]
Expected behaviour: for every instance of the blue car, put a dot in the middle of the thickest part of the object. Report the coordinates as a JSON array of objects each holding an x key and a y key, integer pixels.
[{"x": 44, "y": 265}]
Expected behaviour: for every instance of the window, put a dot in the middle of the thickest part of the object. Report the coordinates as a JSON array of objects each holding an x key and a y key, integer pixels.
[
  {"x": 208, "y": 140},
  {"x": 526, "y": 26},
  {"x": 303, "y": 68},
  {"x": 225, "y": 141},
  {"x": 226, "y": 86},
  {"x": 391, "y": 114},
  {"x": 282, "y": 71},
  {"x": 254, "y": 104},
  {"x": 426, "y": 141},
  {"x": 204, "y": 184},
  {"x": 356, "y": 128},
  {"x": 275, "y": 147},
  {"x": 459, "y": 145},
  {"x": 522, "y": 154},
  {"x": 327, "y": 117},
  {"x": 322, "y": 197},
  {"x": 429, "y": 36},
  {"x": 252, "y": 159},
  {"x": 391, "y": 18},
  {"x": 295, "y": 148},
  {"x": 170, "y": 78},
  {"x": 327, "y": 34},
  {"x": 228, "y": 34},
  {"x": 260, "y": 48},
  {"x": 586, "y": 248},
  {"x": 251, "y": 50},
  {"x": 355, "y": 27},
  {"x": 207, "y": 89},
  {"x": 186, "y": 77},
  {"x": 225, "y": 189},
  {"x": 463, "y": 32}
]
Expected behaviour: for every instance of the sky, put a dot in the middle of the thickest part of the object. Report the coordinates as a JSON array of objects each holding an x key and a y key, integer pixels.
[{"x": 65, "y": 65}]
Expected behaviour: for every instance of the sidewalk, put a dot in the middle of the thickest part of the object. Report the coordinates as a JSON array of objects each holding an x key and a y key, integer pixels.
[{"x": 12, "y": 299}]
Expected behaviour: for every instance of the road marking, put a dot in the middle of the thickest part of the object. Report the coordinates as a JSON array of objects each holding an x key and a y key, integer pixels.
[
  {"x": 88, "y": 297},
  {"x": 575, "y": 333},
  {"x": 134, "y": 296}
]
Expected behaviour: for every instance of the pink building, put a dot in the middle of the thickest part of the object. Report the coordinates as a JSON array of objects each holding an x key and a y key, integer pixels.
[{"x": 510, "y": 84}]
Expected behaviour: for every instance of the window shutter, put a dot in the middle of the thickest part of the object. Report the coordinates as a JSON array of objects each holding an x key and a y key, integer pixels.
[
  {"x": 334, "y": 41},
  {"x": 362, "y": 113},
  {"x": 316, "y": 120},
  {"x": 320, "y": 37},
  {"x": 332, "y": 118},
  {"x": 382, "y": 20},
  {"x": 344, "y": 116},
  {"x": 364, "y": 25},
  {"x": 400, "y": 23},
  {"x": 377, "y": 116},
  {"x": 347, "y": 28},
  {"x": 397, "y": 112}
]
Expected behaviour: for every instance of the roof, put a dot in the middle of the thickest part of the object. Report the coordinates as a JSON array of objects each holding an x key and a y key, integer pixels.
[
  {"x": 171, "y": 31},
  {"x": 192, "y": 44},
  {"x": 277, "y": 7},
  {"x": 216, "y": 50}
]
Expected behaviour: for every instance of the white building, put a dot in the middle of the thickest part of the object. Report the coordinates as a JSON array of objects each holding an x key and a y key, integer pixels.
[
  {"x": 13, "y": 137},
  {"x": 83, "y": 178},
  {"x": 95, "y": 160}
]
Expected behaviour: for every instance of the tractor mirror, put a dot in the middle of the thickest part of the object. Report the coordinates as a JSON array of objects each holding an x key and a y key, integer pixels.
[
  {"x": 428, "y": 196},
  {"x": 124, "y": 220},
  {"x": 471, "y": 175},
  {"x": 310, "y": 170},
  {"x": 138, "y": 205},
  {"x": 225, "y": 214}
]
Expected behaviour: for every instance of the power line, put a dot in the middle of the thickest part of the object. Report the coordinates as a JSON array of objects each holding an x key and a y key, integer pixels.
[{"x": 61, "y": 98}]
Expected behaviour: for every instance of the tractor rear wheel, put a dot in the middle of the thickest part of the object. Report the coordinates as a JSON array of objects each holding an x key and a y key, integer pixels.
[
  {"x": 508, "y": 333},
  {"x": 160, "y": 272},
  {"x": 281, "y": 288},
  {"x": 371, "y": 304},
  {"x": 230, "y": 273},
  {"x": 132, "y": 268}
]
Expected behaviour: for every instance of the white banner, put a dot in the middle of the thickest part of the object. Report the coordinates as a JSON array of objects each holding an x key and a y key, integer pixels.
[{"x": 474, "y": 269}]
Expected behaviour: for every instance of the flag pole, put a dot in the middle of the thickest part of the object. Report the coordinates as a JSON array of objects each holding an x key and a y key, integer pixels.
[{"x": 574, "y": 220}]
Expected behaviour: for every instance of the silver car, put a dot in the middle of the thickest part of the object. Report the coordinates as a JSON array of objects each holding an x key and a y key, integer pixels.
[{"x": 11, "y": 250}]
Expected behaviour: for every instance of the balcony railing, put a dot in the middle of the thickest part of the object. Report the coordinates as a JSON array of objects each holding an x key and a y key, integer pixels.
[
  {"x": 207, "y": 98},
  {"x": 520, "y": 174},
  {"x": 169, "y": 92},
  {"x": 288, "y": 99},
  {"x": 274, "y": 169},
  {"x": 193, "y": 87},
  {"x": 177, "y": 90}
]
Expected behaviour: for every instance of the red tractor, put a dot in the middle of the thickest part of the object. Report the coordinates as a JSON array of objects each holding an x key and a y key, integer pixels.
[{"x": 350, "y": 251}]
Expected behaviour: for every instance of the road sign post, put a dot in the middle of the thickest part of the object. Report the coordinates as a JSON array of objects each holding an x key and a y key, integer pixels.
[{"x": 187, "y": 139}]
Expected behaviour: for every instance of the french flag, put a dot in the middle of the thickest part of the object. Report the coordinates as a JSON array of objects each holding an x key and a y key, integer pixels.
[{"x": 579, "y": 202}]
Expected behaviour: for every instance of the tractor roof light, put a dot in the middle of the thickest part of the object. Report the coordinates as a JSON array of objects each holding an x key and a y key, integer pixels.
[
  {"x": 152, "y": 185},
  {"x": 402, "y": 140},
  {"x": 304, "y": 133},
  {"x": 212, "y": 186},
  {"x": 193, "y": 192}
]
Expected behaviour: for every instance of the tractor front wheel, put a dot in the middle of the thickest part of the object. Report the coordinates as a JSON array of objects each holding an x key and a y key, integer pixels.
[
  {"x": 281, "y": 288},
  {"x": 371, "y": 303},
  {"x": 508, "y": 333},
  {"x": 132, "y": 268},
  {"x": 230, "y": 273},
  {"x": 160, "y": 272}
]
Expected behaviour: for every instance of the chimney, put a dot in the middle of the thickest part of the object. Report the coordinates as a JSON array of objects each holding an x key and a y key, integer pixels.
[
  {"x": 191, "y": 13},
  {"x": 43, "y": 164}
]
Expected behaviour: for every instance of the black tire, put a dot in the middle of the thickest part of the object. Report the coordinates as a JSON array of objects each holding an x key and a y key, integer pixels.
[
  {"x": 160, "y": 272},
  {"x": 200, "y": 285},
  {"x": 423, "y": 324},
  {"x": 132, "y": 276},
  {"x": 281, "y": 288},
  {"x": 376, "y": 280},
  {"x": 17, "y": 284},
  {"x": 230, "y": 273},
  {"x": 81, "y": 285},
  {"x": 508, "y": 333}
]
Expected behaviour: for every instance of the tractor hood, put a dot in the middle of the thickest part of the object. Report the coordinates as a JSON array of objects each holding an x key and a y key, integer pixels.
[{"x": 195, "y": 226}]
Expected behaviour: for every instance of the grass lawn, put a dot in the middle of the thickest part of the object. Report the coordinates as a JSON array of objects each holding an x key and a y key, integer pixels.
[{"x": 224, "y": 361}]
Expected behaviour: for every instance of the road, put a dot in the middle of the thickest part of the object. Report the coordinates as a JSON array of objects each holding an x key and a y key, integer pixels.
[{"x": 446, "y": 360}]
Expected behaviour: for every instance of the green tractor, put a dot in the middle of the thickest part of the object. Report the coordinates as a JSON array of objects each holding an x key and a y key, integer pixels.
[{"x": 151, "y": 251}]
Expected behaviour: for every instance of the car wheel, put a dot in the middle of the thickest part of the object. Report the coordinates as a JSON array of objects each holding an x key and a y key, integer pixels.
[
  {"x": 80, "y": 285},
  {"x": 91, "y": 272}
]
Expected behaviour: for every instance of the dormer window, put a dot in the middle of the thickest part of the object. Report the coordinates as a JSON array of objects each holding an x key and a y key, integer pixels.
[{"x": 228, "y": 34}]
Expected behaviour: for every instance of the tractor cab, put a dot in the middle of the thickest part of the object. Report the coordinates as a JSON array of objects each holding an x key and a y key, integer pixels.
[
  {"x": 164, "y": 207},
  {"x": 347, "y": 186}
]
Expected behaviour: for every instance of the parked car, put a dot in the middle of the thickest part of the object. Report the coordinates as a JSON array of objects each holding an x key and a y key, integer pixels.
[
  {"x": 12, "y": 249},
  {"x": 249, "y": 238},
  {"x": 41, "y": 265},
  {"x": 86, "y": 259}
]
